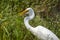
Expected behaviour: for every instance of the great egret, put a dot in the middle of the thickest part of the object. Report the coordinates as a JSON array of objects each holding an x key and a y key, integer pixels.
[{"x": 39, "y": 31}]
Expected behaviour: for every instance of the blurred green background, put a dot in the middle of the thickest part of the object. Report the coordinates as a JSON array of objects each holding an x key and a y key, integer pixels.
[{"x": 12, "y": 25}]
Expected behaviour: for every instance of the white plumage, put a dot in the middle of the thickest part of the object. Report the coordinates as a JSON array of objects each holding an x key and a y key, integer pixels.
[{"x": 39, "y": 31}]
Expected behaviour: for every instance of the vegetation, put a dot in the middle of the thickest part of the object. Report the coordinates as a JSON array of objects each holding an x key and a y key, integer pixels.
[{"x": 12, "y": 26}]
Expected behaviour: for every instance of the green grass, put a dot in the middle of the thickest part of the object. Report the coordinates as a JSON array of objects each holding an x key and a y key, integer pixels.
[{"x": 12, "y": 25}]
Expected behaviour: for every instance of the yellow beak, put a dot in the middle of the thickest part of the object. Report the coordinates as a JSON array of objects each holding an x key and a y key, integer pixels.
[{"x": 23, "y": 13}]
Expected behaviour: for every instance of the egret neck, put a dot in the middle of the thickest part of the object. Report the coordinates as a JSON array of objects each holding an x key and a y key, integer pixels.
[{"x": 27, "y": 18}]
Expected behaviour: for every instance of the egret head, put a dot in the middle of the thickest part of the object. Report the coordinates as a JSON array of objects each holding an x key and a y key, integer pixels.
[{"x": 26, "y": 11}]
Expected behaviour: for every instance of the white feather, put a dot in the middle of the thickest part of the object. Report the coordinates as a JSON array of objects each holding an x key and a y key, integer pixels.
[{"x": 39, "y": 31}]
